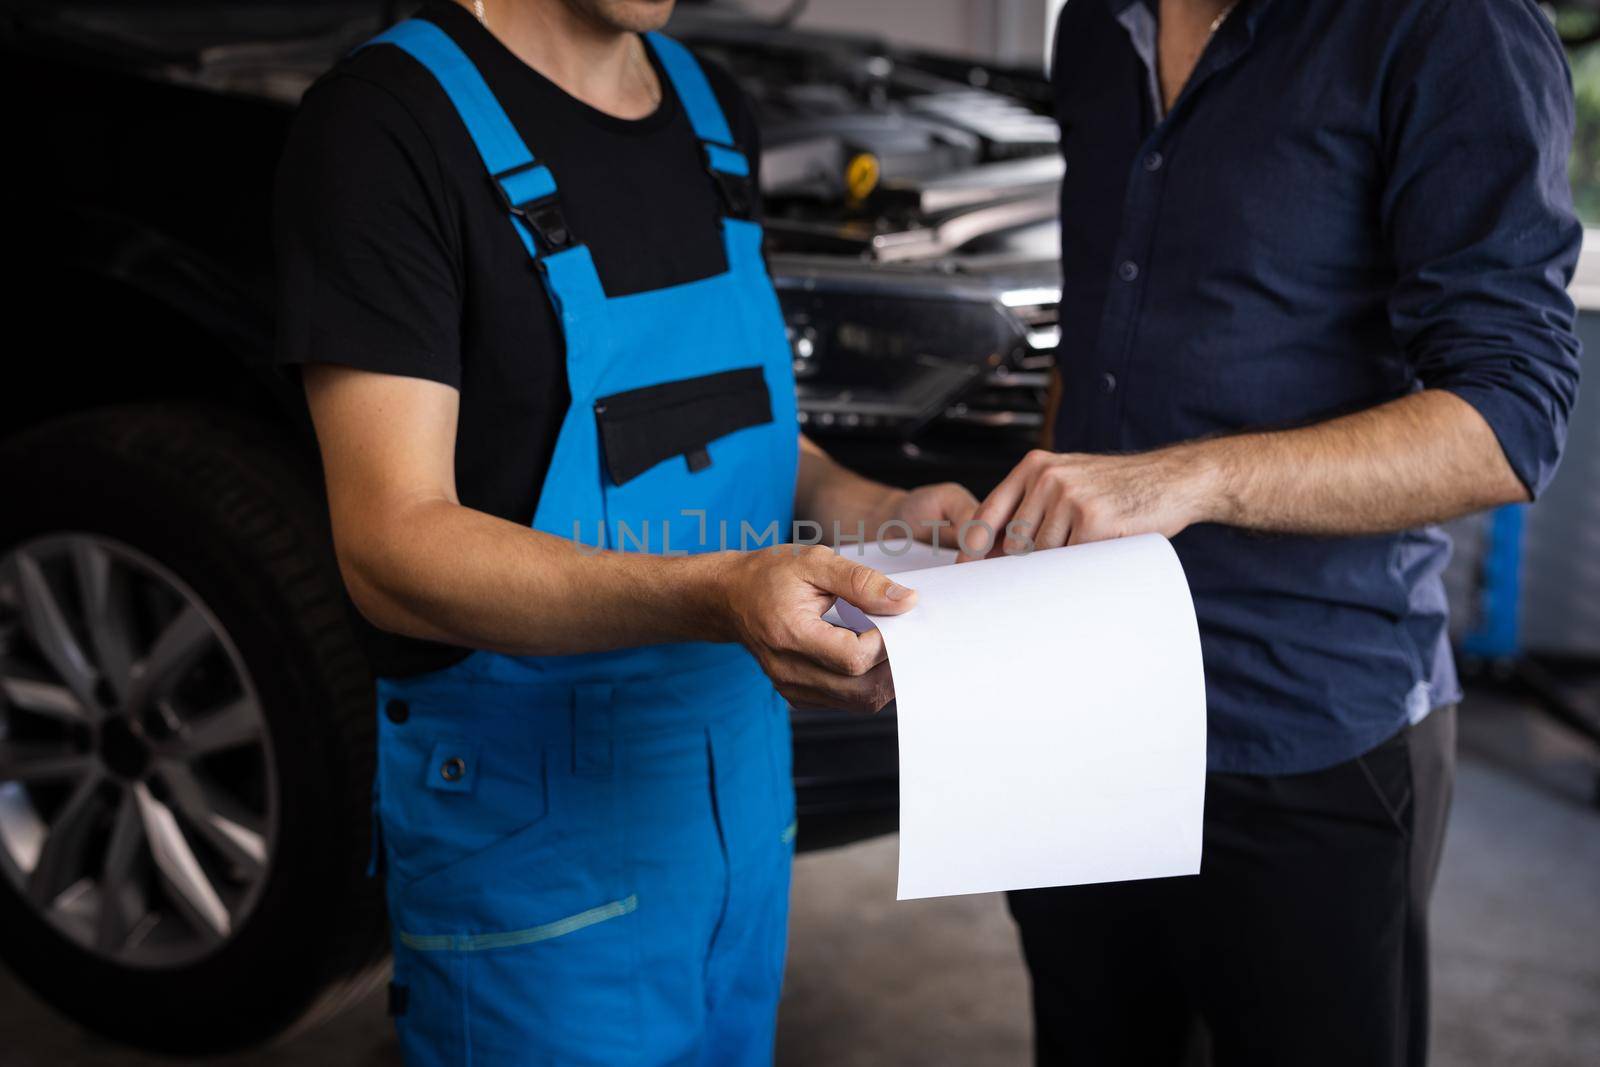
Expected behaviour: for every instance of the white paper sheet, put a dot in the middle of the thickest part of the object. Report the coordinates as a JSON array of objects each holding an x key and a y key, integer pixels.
[
  {"x": 1052, "y": 719},
  {"x": 896, "y": 557}
]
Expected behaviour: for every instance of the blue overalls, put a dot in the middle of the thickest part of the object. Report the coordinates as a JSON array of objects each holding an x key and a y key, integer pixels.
[{"x": 588, "y": 856}]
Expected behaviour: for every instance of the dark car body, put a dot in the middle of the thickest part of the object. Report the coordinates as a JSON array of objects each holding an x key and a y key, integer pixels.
[{"x": 145, "y": 194}]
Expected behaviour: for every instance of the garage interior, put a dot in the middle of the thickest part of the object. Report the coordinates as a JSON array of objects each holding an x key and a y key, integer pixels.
[{"x": 1516, "y": 928}]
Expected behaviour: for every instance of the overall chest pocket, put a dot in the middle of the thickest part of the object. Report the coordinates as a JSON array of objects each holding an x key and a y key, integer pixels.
[
  {"x": 640, "y": 428},
  {"x": 682, "y": 460}
]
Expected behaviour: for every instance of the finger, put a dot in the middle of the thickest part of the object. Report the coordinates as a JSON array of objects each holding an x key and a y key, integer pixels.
[
  {"x": 985, "y": 529},
  {"x": 957, "y": 506},
  {"x": 989, "y": 521},
  {"x": 1057, "y": 527},
  {"x": 959, "y": 515},
  {"x": 869, "y": 693},
  {"x": 870, "y": 642},
  {"x": 832, "y": 648},
  {"x": 808, "y": 686},
  {"x": 871, "y": 591},
  {"x": 1019, "y": 534}
]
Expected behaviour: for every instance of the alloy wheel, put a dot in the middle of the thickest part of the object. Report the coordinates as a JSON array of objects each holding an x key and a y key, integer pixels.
[{"x": 138, "y": 803}]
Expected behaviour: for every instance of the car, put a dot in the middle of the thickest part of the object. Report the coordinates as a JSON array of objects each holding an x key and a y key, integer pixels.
[{"x": 186, "y": 716}]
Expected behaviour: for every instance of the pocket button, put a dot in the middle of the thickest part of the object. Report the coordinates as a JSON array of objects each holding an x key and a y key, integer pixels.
[{"x": 450, "y": 767}]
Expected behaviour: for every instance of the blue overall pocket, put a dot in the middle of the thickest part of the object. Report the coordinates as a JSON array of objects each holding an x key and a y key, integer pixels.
[
  {"x": 507, "y": 884},
  {"x": 686, "y": 467},
  {"x": 443, "y": 798},
  {"x": 490, "y": 824}
]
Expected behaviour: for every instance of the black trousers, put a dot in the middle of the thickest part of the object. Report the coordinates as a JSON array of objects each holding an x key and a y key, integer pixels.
[{"x": 1302, "y": 941}]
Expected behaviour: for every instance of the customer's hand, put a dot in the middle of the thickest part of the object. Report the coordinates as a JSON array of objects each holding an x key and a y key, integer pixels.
[
  {"x": 933, "y": 513},
  {"x": 1052, "y": 499},
  {"x": 775, "y": 599}
]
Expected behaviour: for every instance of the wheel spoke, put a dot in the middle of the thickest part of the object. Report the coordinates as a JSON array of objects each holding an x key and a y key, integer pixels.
[
  {"x": 180, "y": 644},
  {"x": 230, "y": 726},
  {"x": 170, "y": 719},
  {"x": 120, "y": 899},
  {"x": 180, "y": 869},
  {"x": 105, "y": 611},
  {"x": 43, "y": 698},
  {"x": 41, "y": 763},
  {"x": 60, "y": 861},
  {"x": 45, "y": 622},
  {"x": 234, "y": 832}
]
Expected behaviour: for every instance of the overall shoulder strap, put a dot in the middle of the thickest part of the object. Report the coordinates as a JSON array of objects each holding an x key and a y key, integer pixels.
[
  {"x": 728, "y": 166},
  {"x": 526, "y": 188}
]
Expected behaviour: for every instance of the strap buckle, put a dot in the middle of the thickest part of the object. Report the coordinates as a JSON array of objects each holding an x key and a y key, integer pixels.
[
  {"x": 549, "y": 225},
  {"x": 541, "y": 212},
  {"x": 737, "y": 190}
]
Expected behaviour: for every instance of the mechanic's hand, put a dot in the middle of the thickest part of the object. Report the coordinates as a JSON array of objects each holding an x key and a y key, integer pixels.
[
  {"x": 1052, "y": 499},
  {"x": 935, "y": 513},
  {"x": 776, "y": 598}
]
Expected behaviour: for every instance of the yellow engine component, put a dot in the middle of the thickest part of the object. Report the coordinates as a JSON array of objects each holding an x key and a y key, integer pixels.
[{"x": 861, "y": 176}]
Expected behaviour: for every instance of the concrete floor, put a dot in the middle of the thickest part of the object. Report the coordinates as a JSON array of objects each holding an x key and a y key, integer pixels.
[{"x": 931, "y": 983}]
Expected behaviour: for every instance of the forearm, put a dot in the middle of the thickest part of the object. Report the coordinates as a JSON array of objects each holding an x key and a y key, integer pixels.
[
  {"x": 445, "y": 572},
  {"x": 418, "y": 563},
  {"x": 449, "y": 573},
  {"x": 837, "y": 498},
  {"x": 1422, "y": 458}
]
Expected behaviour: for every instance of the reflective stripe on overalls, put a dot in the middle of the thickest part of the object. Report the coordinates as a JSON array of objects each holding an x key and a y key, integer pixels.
[{"x": 588, "y": 856}]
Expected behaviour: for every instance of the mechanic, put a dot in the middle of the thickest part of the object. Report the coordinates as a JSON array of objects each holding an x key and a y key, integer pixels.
[
  {"x": 1314, "y": 264},
  {"x": 520, "y": 269}
]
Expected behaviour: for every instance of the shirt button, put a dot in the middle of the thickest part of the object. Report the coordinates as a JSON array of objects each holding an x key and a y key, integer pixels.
[
  {"x": 1128, "y": 271},
  {"x": 1108, "y": 382},
  {"x": 397, "y": 710},
  {"x": 1153, "y": 161}
]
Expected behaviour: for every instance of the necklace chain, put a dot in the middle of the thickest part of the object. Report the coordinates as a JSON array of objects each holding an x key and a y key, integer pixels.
[
  {"x": 1216, "y": 23},
  {"x": 641, "y": 67}
]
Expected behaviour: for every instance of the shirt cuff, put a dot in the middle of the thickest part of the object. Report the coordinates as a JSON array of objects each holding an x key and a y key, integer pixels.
[{"x": 1530, "y": 433}]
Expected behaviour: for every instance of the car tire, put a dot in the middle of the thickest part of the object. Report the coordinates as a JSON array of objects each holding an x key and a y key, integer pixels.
[{"x": 228, "y": 510}]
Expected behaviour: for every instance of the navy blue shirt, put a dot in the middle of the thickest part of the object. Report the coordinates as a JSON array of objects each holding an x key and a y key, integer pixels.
[{"x": 1350, "y": 201}]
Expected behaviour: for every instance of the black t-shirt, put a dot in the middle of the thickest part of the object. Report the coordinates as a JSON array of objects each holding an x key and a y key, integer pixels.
[{"x": 394, "y": 254}]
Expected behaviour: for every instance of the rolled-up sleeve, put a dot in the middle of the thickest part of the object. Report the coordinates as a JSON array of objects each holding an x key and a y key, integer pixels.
[{"x": 1478, "y": 214}]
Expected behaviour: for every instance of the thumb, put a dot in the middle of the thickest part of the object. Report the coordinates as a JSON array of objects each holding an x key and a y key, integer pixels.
[
  {"x": 858, "y": 584},
  {"x": 959, "y": 508}
]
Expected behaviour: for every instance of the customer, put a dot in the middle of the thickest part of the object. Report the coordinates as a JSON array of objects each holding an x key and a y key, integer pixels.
[{"x": 1314, "y": 261}]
